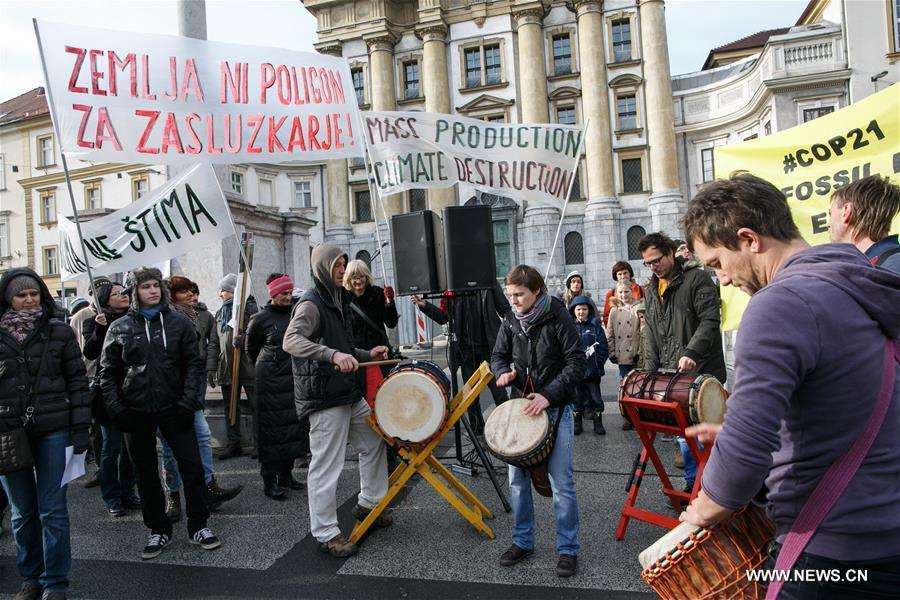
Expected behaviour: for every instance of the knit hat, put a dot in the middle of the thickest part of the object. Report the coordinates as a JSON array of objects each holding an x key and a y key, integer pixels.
[
  {"x": 103, "y": 287},
  {"x": 228, "y": 283},
  {"x": 139, "y": 276},
  {"x": 77, "y": 304},
  {"x": 19, "y": 283},
  {"x": 282, "y": 284}
]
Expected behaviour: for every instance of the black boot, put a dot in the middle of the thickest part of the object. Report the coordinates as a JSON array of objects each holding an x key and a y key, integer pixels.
[
  {"x": 229, "y": 451},
  {"x": 271, "y": 488},
  {"x": 286, "y": 480},
  {"x": 579, "y": 425},
  {"x": 216, "y": 495},
  {"x": 598, "y": 424}
]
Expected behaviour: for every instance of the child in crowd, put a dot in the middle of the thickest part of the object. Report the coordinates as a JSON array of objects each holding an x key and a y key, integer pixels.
[
  {"x": 624, "y": 330},
  {"x": 594, "y": 341}
]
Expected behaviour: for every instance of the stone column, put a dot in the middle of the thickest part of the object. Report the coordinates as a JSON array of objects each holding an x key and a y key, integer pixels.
[
  {"x": 337, "y": 195},
  {"x": 437, "y": 94},
  {"x": 532, "y": 65},
  {"x": 666, "y": 202},
  {"x": 384, "y": 98}
]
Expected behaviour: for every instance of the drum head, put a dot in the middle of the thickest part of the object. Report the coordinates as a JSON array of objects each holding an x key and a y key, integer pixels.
[
  {"x": 710, "y": 403},
  {"x": 510, "y": 432},
  {"x": 665, "y": 544},
  {"x": 410, "y": 406}
]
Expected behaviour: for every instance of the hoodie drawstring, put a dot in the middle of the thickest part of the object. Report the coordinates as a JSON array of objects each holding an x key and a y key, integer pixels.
[{"x": 162, "y": 322}]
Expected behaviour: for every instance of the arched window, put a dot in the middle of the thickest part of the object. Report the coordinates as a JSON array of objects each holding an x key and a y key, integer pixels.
[
  {"x": 574, "y": 246},
  {"x": 364, "y": 256},
  {"x": 634, "y": 236}
]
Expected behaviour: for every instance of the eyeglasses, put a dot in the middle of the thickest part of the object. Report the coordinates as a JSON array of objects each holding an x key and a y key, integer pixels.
[
  {"x": 118, "y": 294},
  {"x": 652, "y": 263}
]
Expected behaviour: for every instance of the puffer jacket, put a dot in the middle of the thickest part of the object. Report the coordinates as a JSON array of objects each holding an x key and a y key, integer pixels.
[
  {"x": 280, "y": 434},
  {"x": 685, "y": 322},
  {"x": 549, "y": 359},
  {"x": 59, "y": 394},
  {"x": 371, "y": 303},
  {"x": 208, "y": 337},
  {"x": 151, "y": 366},
  {"x": 592, "y": 336}
]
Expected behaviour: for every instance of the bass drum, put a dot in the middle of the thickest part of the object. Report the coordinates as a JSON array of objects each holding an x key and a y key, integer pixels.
[
  {"x": 701, "y": 397},
  {"x": 412, "y": 404}
]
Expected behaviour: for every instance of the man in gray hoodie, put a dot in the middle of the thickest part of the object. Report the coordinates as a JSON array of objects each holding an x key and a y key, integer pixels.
[
  {"x": 809, "y": 364},
  {"x": 320, "y": 340}
]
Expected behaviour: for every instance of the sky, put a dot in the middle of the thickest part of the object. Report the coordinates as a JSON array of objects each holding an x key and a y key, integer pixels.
[{"x": 694, "y": 27}]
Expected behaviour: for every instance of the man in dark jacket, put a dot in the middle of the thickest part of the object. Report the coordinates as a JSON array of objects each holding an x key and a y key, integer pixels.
[
  {"x": 326, "y": 388},
  {"x": 811, "y": 361},
  {"x": 683, "y": 322},
  {"x": 862, "y": 213},
  {"x": 476, "y": 321},
  {"x": 151, "y": 373},
  {"x": 538, "y": 350}
]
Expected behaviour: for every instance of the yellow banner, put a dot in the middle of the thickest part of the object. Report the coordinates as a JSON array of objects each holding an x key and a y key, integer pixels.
[{"x": 808, "y": 162}]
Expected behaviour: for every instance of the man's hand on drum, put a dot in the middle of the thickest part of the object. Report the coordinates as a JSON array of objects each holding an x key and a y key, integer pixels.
[
  {"x": 704, "y": 432},
  {"x": 686, "y": 364},
  {"x": 537, "y": 405},
  {"x": 703, "y": 512},
  {"x": 344, "y": 362},
  {"x": 506, "y": 379},
  {"x": 379, "y": 353}
]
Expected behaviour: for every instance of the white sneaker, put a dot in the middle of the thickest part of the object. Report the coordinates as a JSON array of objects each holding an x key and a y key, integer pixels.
[
  {"x": 156, "y": 543},
  {"x": 205, "y": 539}
]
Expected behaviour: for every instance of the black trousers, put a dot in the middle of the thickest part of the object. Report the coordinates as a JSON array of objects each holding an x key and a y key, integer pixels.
[
  {"x": 470, "y": 357},
  {"x": 276, "y": 467},
  {"x": 234, "y": 431},
  {"x": 179, "y": 433}
]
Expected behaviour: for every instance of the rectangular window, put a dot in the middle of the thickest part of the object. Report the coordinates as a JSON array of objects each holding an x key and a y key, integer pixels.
[
  {"x": 4, "y": 239},
  {"x": 632, "y": 176},
  {"x": 2, "y": 172},
  {"x": 707, "y": 161},
  {"x": 565, "y": 115},
  {"x": 814, "y": 113},
  {"x": 895, "y": 26},
  {"x": 502, "y": 249},
  {"x": 417, "y": 200},
  {"x": 362, "y": 202},
  {"x": 48, "y": 208},
  {"x": 411, "y": 79},
  {"x": 237, "y": 182},
  {"x": 302, "y": 194},
  {"x": 768, "y": 127},
  {"x": 495, "y": 119},
  {"x": 492, "y": 64},
  {"x": 51, "y": 265},
  {"x": 576, "y": 188},
  {"x": 621, "y": 34},
  {"x": 562, "y": 54},
  {"x": 139, "y": 187},
  {"x": 45, "y": 151},
  {"x": 358, "y": 85},
  {"x": 92, "y": 198},
  {"x": 473, "y": 67},
  {"x": 265, "y": 192},
  {"x": 626, "y": 109}
]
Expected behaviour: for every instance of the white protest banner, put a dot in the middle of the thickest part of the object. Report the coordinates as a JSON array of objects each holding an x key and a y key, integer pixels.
[
  {"x": 183, "y": 215},
  {"x": 148, "y": 98},
  {"x": 431, "y": 150}
]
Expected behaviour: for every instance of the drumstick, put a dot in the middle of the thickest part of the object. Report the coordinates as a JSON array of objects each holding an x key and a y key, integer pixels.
[{"x": 373, "y": 363}]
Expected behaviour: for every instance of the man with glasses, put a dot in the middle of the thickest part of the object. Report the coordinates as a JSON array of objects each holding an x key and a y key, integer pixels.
[{"x": 683, "y": 320}]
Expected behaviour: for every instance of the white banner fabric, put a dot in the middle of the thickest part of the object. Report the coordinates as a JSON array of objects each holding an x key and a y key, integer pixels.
[
  {"x": 435, "y": 150},
  {"x": 162, "y": 99},
  {"x": 186, "y": 213}
]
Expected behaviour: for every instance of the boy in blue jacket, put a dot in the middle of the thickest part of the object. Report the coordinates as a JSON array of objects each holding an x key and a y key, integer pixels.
[{"x": 596, "y": 349}]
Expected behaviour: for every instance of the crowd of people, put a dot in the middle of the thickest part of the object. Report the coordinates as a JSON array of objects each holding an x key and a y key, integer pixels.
[{"x": 127, "y": 378}]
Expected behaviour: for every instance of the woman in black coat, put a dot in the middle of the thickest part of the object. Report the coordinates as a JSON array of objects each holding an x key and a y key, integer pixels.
[
  {"x": 281, "y": 437},
  {"x": 43, "y": 383},
  {"x": 376, "y": 303}
]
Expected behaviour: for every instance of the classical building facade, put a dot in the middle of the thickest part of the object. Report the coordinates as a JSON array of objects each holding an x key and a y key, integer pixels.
[{"x": 604, "y": 64}]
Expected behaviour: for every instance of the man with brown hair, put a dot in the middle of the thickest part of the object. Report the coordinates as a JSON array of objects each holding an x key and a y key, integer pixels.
[{"x": 861, "y": 214}]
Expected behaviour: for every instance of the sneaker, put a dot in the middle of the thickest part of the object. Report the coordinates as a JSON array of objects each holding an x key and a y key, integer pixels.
[
  {"x": 173, "y": 507},
  {"x": 29, "y": 591},
  {"x": 383, "y": 520},
  {"x": 205, "y": 539},
  {"x": 156, "y": 543},
  {"x": 54, "y": 596},
  {"x": 117, "y": 510},
  {"x": 513, "y": 555},
  {"x": 567, "y": 565},
  {"x": 339, "y": 547},
  {"x": 92, "y": 481}
]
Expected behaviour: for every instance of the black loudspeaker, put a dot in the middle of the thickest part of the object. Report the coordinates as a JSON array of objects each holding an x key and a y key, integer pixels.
[
  {"x": 417, "y": 243},
  {"x": 469, "y": 248}
]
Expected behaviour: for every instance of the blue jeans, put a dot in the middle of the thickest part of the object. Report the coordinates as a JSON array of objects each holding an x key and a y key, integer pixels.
[
  {"x": 170, "y": 467},
  {"x": 116, "y": 471},
  {"x": 690, "y": 463},
  {"x": 39, "y": 515},
  {"x": 565, "y": 504}
]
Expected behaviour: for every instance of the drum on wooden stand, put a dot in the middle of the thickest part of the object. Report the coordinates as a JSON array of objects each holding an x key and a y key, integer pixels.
[
  {"x": 694, "y": 563},
  {"x": 522, "y": 441},
  {"x": 412, "y": 404},
  {"x": 701, "y": 397}
]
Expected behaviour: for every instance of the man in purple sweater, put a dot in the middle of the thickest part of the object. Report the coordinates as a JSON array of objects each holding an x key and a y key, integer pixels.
[{"x": 809, "y": 362}]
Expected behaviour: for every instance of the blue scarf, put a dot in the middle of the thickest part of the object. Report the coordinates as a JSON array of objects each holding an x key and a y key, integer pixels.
[
  {"x": 225, "y": 314},
  {"x": 149, "y": 313},
  {"x": 538, "y": 310}
]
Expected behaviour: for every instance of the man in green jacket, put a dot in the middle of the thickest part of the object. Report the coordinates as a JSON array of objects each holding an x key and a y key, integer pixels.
[{"x": 683, "y": 321}]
